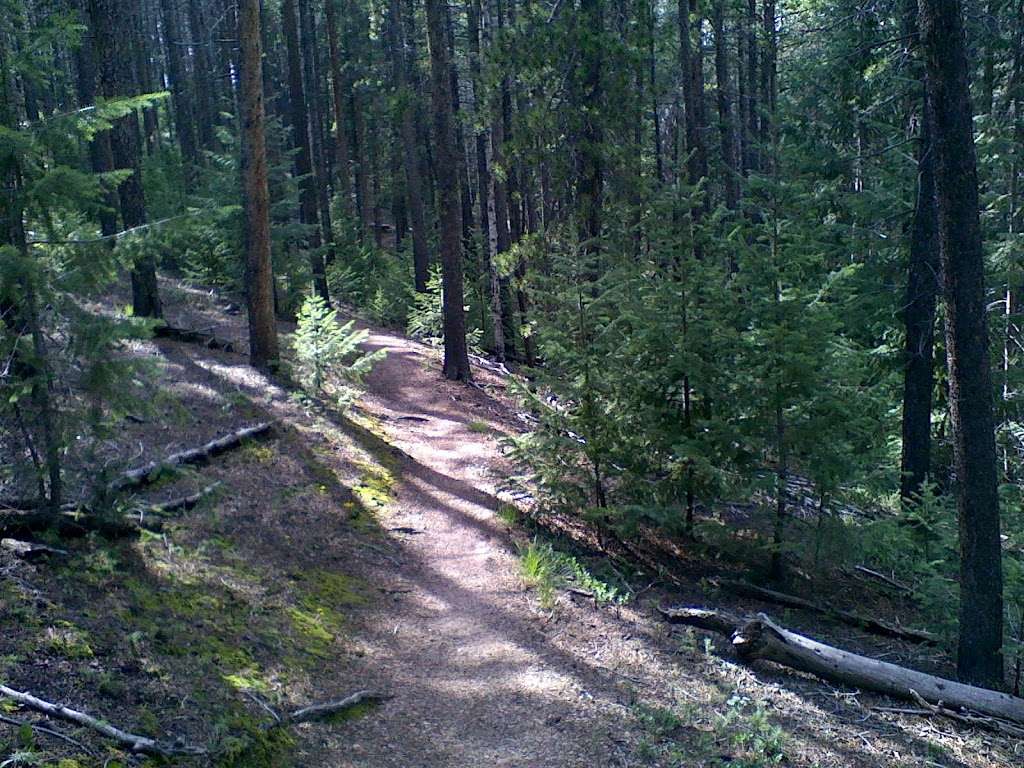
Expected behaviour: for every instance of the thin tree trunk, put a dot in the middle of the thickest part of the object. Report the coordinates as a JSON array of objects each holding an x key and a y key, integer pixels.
[
  {"x": 181, "y": 99},
  {"x": 919, "y": 317},
  {"x": 300, "y": 141},
  {"x": 460, "y": 140},
  {"x": 311, "y": 78},
  {"x": 100, "y": 156},
  {"x": 691, "y": 64},
  {"x": 341, "y": 122},
  {"x": 589, "y": 160},
  {"x": 723, "y": 90},
  {"x": 485, "y": 186},
  {"x": 659, "y": 163},
  {"x": 22, "y": 318},
  {"x": 206, "y": 114},
  {"x": 410, "y": 150},
  {"x": 752, "y": 161}
]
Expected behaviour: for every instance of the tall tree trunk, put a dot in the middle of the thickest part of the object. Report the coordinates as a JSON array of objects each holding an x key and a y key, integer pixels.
[
  {"x": 485, "y": 183},
  {"x": 181, "y": 99},
  {"x": 116, "y": 79},
  {"x": 589, "y": 160},
  {"x": 691, "y": 64},
  {"x": 923, "y": 277},
  {"x": 499, "y": 217},
  {"x": 979, "y": 652},
  {"x": 456, "y": 357},
  {"x": 147, "y": 39},
  {"x": 363, "y": 163},
  {"x": 206, "y": 112},
  {"x": 100, "y": 157},
  {"x": 465, "y": 195},
  {"x": 259, "y": 282},
  {"x": 300, "y": 141},
  {"x": 652, "y": 59},
  {"x": 723, "y": 90},
  {"x": 752, "y": 160},
  {"x": 410, "y": 150},
  {"x": 311, "y": 78},
  {"x": 341, "y": 122},
  {"x": 919, "y": 317}
]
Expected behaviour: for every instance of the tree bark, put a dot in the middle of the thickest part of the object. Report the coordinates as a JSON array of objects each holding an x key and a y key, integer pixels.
[
  {"x": 301, "y": 143},
  {"x": 311, "y": 78},
  {"x": 760, "y": 638},
  {"x": 723, "y": 91},
  {"x": 919, "y": 318},
  {"x": 206, "y": 113},
  {"x": 979, "y": 653},
  {"x": 341, "y": 120},
  {"x": 589, "y": 159},
  {"x": 752, "y": 160},
  {"x": 456, "y": 357},
  {"x": 100, "y": 157},
  {"x": 108, "y": 20},
  {"x": 259, "y": 283},
  {"x": 410, "y": 149},
  {"x": 181, "y": 99}
]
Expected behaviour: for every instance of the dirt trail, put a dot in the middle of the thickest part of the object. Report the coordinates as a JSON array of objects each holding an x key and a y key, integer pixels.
[{"x": 477, "y": 678}]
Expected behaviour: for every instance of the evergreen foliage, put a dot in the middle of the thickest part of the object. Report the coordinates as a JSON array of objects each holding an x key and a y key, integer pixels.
[{"x": 328, "y": 357}]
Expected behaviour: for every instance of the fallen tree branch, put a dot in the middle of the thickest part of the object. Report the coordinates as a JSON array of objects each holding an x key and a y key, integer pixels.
[
  {"x": 144, "y": 745},
  {"x": 179, "y": 504},
  {"x": 73, "y": 521},
  {"x": 133, "y": 742},
  {"x": 190, "y": 336},
  {"x": 29, "y": 550},
  {"x": 977, "y": 721},
  {"x": 327, "y": 709},
  {"x": 702, "y": 618},
  {"x": 901, "y": 587},
  {"x": 70, "y": 524},
  {"x": 140, "y": 476},
  {"x": 49, "y": 731},
  {"x": 867, "y": 623},
  {"x": 760, "y": 638}
]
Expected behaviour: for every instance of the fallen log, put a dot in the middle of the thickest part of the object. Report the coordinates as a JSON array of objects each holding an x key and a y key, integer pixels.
[
  {"x": 132, "y": 742},
  {"x": 74, "y": 520},
  {"x": 190, "y": 336},
  {"x": 761, "y": 638},
  {"x": 29, "y": 550},
  {"x": 70, "y": 524},
  {"x": 180, "y": 504},
  {"x": 140, "y": 476},
  {"x": 887, "y": 580},
  {"x": 328, "y": 709},
  {"x": 867, "y": 623}
]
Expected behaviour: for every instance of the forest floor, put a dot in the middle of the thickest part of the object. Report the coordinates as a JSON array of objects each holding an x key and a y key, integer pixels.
[{"x": 372, "y": 549}]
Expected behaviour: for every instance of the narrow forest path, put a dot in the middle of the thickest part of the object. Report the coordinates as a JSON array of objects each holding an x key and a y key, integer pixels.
[{"x": 479, "y": 676}]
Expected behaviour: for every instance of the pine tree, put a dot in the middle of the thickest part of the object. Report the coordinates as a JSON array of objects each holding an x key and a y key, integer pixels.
[{"x": 263, "y": 351}]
